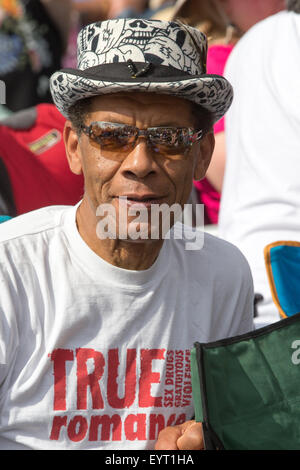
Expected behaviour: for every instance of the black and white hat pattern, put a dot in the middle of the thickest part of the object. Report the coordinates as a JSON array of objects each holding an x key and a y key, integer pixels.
[{"x": 145, "y": 56}]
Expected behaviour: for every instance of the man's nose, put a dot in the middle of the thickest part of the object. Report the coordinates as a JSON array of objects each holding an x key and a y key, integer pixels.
[{"x": 140, "y": 162}]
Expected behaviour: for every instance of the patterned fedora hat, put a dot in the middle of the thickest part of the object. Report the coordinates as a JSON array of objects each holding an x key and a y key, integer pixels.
[{"x": 145, "y": 56}]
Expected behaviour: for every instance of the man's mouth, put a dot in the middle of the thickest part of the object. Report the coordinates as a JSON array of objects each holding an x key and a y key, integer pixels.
[{"x": 143, "y": 200}]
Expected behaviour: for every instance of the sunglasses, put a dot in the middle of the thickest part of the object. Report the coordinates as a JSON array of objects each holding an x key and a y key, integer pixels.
[{"x": 122, "y": 138}]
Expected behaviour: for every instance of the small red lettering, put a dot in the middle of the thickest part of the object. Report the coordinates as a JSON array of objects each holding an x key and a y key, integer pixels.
[
  {"x": 106, "y": 422},
  {"x": 77, "y": 428},
  {"x": 135, "y": 427},
  {"x": 57, "y": 424},
  {"x": 157, "y": 423}
]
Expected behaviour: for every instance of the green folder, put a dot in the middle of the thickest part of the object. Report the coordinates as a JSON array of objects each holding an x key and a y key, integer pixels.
[{"x": 246, "y": 389}]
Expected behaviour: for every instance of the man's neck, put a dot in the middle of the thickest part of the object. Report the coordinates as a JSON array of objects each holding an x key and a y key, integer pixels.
[{"x": 131, "y": 255}]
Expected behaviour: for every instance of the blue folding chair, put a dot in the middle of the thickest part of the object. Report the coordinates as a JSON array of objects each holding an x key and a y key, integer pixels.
[{"x": 282, "y": 260}]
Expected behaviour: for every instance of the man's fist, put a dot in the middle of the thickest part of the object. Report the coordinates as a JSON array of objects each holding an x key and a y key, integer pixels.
[{"x": 186, "y": 436}]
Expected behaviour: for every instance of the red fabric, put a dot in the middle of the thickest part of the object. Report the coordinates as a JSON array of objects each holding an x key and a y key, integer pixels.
[
  {"x": 39, "y": 179},
  {"x": 217, "y": 56}
]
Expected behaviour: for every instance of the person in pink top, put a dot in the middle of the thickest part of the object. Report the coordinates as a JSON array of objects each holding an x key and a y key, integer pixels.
[{"x": 209, "y": 188}]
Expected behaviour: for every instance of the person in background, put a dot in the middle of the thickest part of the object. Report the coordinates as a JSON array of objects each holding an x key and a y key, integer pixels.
[
  {"x": 33, "y": 167},
  {"x": 244, "y": 14},
  {"x": 95, "y": 10},
  {"x": 155, "y": 6},
  {"x": 91, "y": 10},
  {"x": 33, "y": 39},
  {"x": 241, "y": 16},
  {"x": 260, "y": 200},
  {"x": 127, "y": 8},
  {"x": 140, "y": 8}
]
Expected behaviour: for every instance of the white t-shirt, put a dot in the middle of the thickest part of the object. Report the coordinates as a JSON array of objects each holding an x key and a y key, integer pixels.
[
  {"x": 261, "y": 193},
  {"x": 97, "y": 357}
]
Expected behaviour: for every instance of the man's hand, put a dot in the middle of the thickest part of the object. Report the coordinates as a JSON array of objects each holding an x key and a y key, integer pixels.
[{"x": 186, "y": 436}]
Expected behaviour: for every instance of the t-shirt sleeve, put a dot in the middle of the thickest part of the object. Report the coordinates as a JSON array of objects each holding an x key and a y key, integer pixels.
[
  {"x": 232, "y": 290},
  {"x": 244, "y": 305}
]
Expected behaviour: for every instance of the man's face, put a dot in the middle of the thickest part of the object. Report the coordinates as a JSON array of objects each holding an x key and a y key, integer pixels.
[{"x": 141, "y": 175}]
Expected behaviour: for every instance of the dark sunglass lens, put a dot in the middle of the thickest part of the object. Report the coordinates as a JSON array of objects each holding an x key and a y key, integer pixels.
[
  {"x": 114, "y": 137},
  {"x": 169, "y": 140}
]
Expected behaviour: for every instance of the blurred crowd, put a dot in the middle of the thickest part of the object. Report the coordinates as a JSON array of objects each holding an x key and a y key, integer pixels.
[{"x": 38, "y": 37}]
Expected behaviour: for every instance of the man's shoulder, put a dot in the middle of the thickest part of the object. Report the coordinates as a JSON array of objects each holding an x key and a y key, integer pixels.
[
  {"x": 215, "y": 256},
  {"x": 220, "y": 251},
  {"x": 31, "y": 224}
]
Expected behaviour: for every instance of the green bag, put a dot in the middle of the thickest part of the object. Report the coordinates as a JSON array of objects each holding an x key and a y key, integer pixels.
[{"x": 246, "y": 389}]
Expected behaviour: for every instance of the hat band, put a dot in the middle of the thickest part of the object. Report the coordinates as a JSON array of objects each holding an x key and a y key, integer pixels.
[{"x": 121, "y": 72}]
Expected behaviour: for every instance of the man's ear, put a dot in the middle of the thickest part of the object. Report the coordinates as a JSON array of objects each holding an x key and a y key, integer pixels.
[
  {"x": 72, "y": 146},
  {"x": 204, "y": 154}
]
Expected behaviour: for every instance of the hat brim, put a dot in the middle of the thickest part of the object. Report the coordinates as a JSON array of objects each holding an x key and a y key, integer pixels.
[{"x": 212, "y": 92}]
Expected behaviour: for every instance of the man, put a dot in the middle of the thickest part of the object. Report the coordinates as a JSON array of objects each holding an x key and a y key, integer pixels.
[
  {"x": 260, "y": 200},
  {"x": 96, "y": 331}
]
